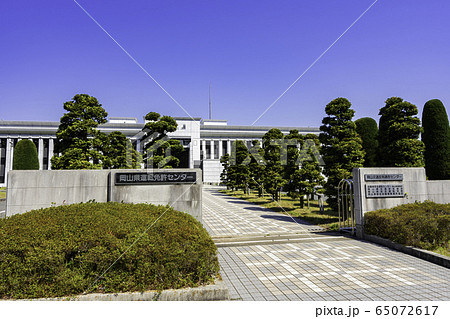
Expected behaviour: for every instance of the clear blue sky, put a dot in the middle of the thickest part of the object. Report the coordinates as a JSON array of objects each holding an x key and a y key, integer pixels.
[{"x": 251, "y": 51}]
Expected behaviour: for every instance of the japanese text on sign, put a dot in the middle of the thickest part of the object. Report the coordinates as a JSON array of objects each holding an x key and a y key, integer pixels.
[
  {"x": 383, "y": 177},
  {"x": 384, "y": 191},
  {"x": 155, "y": 178}
]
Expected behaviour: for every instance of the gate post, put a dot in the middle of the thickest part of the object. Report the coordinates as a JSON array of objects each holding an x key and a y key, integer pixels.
[{"x": 359, "y": 216}]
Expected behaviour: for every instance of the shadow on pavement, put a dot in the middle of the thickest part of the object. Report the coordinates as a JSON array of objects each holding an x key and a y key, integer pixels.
[{"x": 287, "y": 219}]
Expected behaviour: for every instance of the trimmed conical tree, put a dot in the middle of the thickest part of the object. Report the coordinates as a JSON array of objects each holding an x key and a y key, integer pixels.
[
  {"x": 341, "y": 146},
  {"x": 436, "y": 137},
  {"x": 25, "y": 156},
  {"x": 367, "y": 129},
  {"x": 398, "y": 135}
]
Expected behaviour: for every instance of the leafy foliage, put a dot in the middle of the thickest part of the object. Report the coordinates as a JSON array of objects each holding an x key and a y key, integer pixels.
[
  {"x": 256, "y": 167},
  {"x": 423, "y": 225},
  {"x": 367, "y": 129},
  {"x": 159, "y": 150},
  {"x": 236, "y": 173},
  {"x": 341, "y": 146},
  {"x": 61, "y": 251},
  {"x": 25, "y": 156},
  {"x": 273, "y": 172},
  {"x": 308, "y": 176},
  {"x": 118, "y": 152},
  {"x": 398, "y": 135},
  {"x": 436, "y": 137},
  {"x": 77, "y": 139}
]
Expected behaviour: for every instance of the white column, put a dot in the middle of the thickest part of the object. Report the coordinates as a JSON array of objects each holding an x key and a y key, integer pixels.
[
  {"x": 41, "y": 153},
  {"x": 50, "y": 151},
  {"x": 220, "y": 149},
  {"x": 8, "y": 164},
  {"x": 204, "y": 149},
  {"x": 229, "y": 147},
  {"x": 211, "y": 149}
]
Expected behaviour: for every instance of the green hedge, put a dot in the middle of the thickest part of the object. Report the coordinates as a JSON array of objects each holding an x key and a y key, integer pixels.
[
  {"x": 423, "y": 225},
  {"x": 60, "y": 251}
]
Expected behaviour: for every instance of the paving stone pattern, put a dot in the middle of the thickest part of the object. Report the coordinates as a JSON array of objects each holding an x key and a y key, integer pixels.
[{"x": 315, "y": 268}]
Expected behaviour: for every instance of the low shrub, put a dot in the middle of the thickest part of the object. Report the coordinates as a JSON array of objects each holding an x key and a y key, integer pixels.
[
  {"x": 61, "y": 251},
  {"x": 424, "y": 225}
]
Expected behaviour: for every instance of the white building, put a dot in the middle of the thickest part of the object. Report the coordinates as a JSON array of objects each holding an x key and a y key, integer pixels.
[{"x": 205, "y": 141}]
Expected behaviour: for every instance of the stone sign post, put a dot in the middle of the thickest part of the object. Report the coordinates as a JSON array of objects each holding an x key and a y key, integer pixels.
[{"x": 381, "y": 187}]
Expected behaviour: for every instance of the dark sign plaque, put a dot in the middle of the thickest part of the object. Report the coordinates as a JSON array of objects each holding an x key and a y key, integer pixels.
[
  {"x": 150, "y": 178},
  {"x": 378, "y": 190},
  {"x": 383, "y": 177}
]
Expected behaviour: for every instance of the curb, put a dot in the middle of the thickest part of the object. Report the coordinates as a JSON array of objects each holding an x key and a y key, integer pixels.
[
  {"x": 413, "y": 251},
  {"x": 217, "y": 291}
]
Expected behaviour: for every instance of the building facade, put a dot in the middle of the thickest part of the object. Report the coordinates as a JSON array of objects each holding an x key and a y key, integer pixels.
[{"x": 204, "y": 141}]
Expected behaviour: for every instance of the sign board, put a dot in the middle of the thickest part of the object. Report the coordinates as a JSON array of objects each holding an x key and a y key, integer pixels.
[
  {"x": 383, "y": 177},
  {"x": 379, "y": 190},
  {"x": 144, "y": 178}
]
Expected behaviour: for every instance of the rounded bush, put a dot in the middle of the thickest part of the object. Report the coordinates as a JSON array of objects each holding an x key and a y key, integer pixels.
[
  {"x": 424, "y": 225},
  {"x": 25, "y": 156},
  {"x": 103, "y": 247},
  {"x": 436, "y": 136}
]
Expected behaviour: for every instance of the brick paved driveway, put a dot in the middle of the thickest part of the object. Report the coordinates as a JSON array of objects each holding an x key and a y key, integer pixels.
[{"x": 269, "y": 256}]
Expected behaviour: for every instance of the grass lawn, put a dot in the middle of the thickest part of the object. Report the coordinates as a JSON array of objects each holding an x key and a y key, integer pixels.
[
  {"x": 328, "y": 219},
  {"x": 2, "y": 192}
]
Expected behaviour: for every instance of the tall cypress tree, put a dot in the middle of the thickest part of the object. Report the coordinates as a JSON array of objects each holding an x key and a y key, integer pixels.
[
  {"x": 367, "y": 129},
  {"x": 398, "y": 135},
  {"x": 341, "y": 146},
  {"x": 436, "y": 137},
  {"x": 25, "y": 156}
]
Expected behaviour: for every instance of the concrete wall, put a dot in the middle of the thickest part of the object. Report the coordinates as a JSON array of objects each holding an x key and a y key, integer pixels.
[
  {"x": 415, "y": 185},
  {"x": 29, "y": 190},
  {"x": 439, "y": 191},
  {"x": 183, "y": 197}
]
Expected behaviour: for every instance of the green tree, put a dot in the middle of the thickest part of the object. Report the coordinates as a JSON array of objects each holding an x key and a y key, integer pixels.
[
  {"x": 308, "y": 176},
  {"x": 398, "y": 135},
  {"x": 240, "y": 160},
  {"x": 224, "y": 176},
  {"x": 77, "y": 139},
  {"x": 367, "y": 129},
  {"x": 293, "y": 142},
  {"x": 159, "y": 150},
  {"x": 25, "y": 156},
  {"x": 256, "y": 167},
  {"x": 273, "y": 172},
  {"x": 436, "y": 137},
  {"x": 341, "y": 146},
  {"x": 118, "y": 152}
]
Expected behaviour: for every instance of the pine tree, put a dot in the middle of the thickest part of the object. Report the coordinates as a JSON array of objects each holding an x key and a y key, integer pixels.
[
  {"x": 308, "y": 175},
  {"x": 240, "y": 172},
  {"x": 159, "y": 150},
  {"x": 367, "y": 129},
  {"x": 341, "y": 146},
  {"x": 436, "y": 137},
  {"x": 77, "y": 137},
  {"x": 398, "y": 135},
  {"x": 273, "y": 172},
  {"x": 256, "y": 167},
  {"x": 25, "y": 156},
  {"x": 119, "y": 153}
]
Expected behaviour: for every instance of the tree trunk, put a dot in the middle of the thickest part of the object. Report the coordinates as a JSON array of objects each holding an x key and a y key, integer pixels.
[{"x": 302, "y": 201}]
